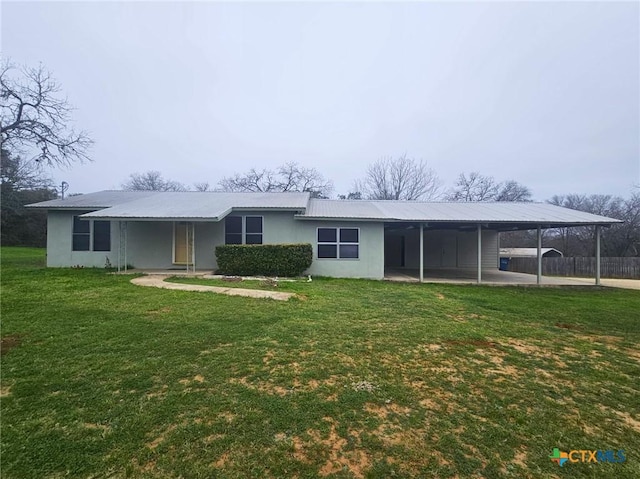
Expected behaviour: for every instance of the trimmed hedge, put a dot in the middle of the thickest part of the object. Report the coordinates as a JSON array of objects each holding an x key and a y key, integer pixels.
[{"x": 264, "y": 260}]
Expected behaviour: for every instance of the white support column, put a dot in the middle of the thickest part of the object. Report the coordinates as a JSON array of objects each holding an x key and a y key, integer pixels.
[
  {"x": 479, "y": 253},
  {"x": 421, "y": 252},
  {"x": 188, "y": 250},
  {"x": 539, "y": 256},
  {"x": 126, "y": 239},
  {"x": 193, "y": 247},
  {"x": 598, "y": 255},
  {"x": 119, "y": 244}
]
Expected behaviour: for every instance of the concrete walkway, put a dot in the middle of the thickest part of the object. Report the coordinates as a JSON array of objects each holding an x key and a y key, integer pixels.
[{"x": 158, "y": 281}]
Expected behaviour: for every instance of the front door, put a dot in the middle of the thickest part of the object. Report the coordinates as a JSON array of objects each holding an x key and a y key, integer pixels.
[{"x": 183, "y": 243}]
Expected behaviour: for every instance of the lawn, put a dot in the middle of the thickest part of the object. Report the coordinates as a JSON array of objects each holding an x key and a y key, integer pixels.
[{"x": 101, "y": 378}]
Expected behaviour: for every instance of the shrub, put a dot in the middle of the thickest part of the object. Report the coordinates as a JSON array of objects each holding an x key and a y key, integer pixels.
[{"x": 264, "y": 260}]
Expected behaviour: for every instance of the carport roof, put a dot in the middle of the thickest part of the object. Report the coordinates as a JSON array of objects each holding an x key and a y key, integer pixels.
[{"x": 452, "y": 212}]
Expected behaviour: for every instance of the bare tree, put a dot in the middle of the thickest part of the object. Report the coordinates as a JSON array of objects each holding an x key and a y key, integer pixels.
[
  {"x": 353, "y": 195},
  {"x": 402, "y": 178},
  {"x": 34, "y": 118},
  {"x": 202, "y": 186},
  {"x": 288, "y": 177},
  {"x": 151, "y": 181},
  {"x": 23, "y": 182},
  {"x": 513, "y": 191},
  {"x": 618, "y": 240},
  {"x": 477, "y": 187}
]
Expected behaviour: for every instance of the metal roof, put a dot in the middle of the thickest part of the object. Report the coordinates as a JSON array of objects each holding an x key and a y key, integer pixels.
[
  {"x": 101, "y": 199},
  {"x": 196, "y": 205},
  {"x": 452, "y": 212},
  {"x": 168, "y": 205}
]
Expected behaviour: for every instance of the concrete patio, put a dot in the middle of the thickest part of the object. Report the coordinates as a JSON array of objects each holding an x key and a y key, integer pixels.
[{"x": 490, "y": 277}]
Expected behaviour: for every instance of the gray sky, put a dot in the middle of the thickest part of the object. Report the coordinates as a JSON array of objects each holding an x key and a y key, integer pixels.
[{"x": 543, "y": 93}]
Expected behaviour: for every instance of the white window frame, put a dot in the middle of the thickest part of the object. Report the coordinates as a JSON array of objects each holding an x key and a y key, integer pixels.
[
  {"x": 337, "y": 243},
  {"x": 244, "y": 228}
]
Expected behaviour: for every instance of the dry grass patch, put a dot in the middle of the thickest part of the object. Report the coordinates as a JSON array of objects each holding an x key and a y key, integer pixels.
[
  {"x": 161, "y": 437},
  {"x": 333, "y": 448},
  {"x": 9, "y": 342}
]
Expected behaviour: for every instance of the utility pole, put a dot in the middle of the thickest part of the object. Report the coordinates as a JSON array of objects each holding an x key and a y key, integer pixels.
[{"x": 64, "y": 186}]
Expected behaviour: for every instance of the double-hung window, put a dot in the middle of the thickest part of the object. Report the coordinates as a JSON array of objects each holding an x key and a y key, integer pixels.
[
  {"x": 91, "y": 235},
  {"x": 338, "y": 243},
  {"x": 81, "y": 234},
  {"x": 243, "y": 229}
]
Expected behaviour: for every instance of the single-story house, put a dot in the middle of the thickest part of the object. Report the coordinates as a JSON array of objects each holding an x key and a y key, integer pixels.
[{"x": 359, "y": 238}]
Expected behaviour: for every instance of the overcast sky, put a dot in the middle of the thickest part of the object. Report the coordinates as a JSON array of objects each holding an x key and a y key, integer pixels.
[{"x": 543, "y": 93}]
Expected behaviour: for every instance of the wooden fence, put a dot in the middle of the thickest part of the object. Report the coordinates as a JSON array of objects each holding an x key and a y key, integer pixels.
[{"x": 628, "y": 268}]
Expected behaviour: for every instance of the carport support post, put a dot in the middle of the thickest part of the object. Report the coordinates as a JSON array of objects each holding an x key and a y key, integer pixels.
[
  {"x": 539, "y": 278},
  {"x": 479, "y": 253},
  {"x": 421, "y": 252},
  {"x": 597, "y": 255}
]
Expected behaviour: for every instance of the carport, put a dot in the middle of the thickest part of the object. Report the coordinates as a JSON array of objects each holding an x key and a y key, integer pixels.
[{"x": 459, "y": 241}]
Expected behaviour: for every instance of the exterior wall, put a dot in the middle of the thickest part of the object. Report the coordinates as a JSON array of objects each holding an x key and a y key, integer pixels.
[
  {"x": 59, "y": 243},
  {"x": 450, "y": 249},
  {"x": 282, "y": 227},
  {"x": 150, "y": 243},
  {"x": 468, "y": 249}
]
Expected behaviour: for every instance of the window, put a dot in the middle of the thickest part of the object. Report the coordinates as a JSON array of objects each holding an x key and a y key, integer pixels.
[
  {"x": 82, "y": 235},
  {"x": 253, "y": 229},
  {"x": 339, "y": 243},
  {"x": 101, "y": 236},
  {"x": 233, "y": 230},
  {"x": 243, "y": 229}
]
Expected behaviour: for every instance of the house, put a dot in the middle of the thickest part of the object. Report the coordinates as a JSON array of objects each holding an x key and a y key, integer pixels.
[{"x": 363, "y": 239}]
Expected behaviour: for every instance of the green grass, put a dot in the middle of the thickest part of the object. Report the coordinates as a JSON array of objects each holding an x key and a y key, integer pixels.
[{"x": 356, "y": 379}]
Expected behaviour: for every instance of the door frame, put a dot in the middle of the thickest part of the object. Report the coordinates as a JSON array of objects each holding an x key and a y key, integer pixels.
[{"x": 190, "y": 240}]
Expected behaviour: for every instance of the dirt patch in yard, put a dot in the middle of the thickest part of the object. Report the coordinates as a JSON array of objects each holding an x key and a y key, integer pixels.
[
  {"x": 8, "y": 342},
  {"x": 632, "y": 353},
  {"x": 574, "y": 327},
  {"x": 161, "y": 438},
  {"x": 626, "y": 418},
  {"x": 384, "y": 410},
  {"x": 338, "y": 457},
  {"x": 471, "y": 342},
  {"x": 537, "y": 352}
]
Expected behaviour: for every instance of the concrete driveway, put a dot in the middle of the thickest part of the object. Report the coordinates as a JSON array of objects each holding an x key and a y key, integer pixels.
[{"x": 500, "y": 278}]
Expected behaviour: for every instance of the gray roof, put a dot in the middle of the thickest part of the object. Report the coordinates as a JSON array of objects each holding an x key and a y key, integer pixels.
[
  {"x": 456, "y": 212},
  {"x": 101, "y": 199},
  {"x": 150, "y": 205},
  {"x": 192, "y": 205},
  {"x": 196, "y": 205}
]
